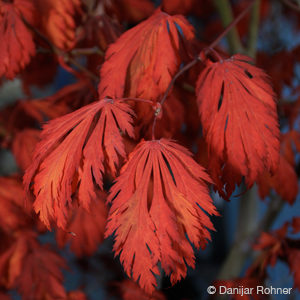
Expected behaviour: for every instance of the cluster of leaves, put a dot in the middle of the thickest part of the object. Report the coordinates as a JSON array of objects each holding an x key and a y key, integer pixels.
[{"x": 126, "y": 121}]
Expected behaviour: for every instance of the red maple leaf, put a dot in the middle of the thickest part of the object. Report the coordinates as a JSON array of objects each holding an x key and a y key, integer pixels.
[
  {"x": 12, "y": 213},
  {"x": 57, "y": 21},
  {"x": 85, "y": 230},
  {"x": 28, "y": 113},
  {"x": 178, "y": 6},
  {"x": 32, "y": 268},
  {"x": 296, "y": 225},
  {"x": 4, "y": 296},
  {"x": 271, "y": 243},
  {"x": 156, "y": 201},
  {"x": 293, "y": 259},
  {"x": 129, "y": 290},
  {"x": 239, "y": 119},
  {"x": 284, "y": 182},
  {"x": 76, "y": 295},
  {"x": 17, "y": 46},
  {"x": 72, "y": 153},
  {"x": 41, "y": 276},
  {"x": 277, "y": 245},
  {"x": 290, "y": 145},
  {"x": 23, "y": 145},
  {"x": 65, "y": 100},
  {"x": 131, "y": 11},
  {"x": 11, "y": 260},
  {"x": 142, "y": 62}
]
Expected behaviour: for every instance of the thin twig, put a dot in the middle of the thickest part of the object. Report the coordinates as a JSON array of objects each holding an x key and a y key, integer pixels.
[
  {"x": 198, "y": 59},
  {"x": 80, "y": 67},
  {"x": 183, "y": 70},
  {"x": 153, "y": 127},
  {"x": 87, "y": 51}
]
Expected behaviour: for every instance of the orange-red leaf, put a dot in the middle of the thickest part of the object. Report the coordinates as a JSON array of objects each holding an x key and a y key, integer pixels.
[
  {"x": 142, "y": 62},
  {"x": 12, "y": 213},
  {"x": 129, "y": 290},
  {"x": 4, "y": 296},
  {"x": 277, "y": 245},
  {"x": 239, "y": 119},
  {"x": 293, "y": 259},
  {"x": 17, "y": 46},
  {"x": 76, "y": 295},
  {"x": 23, "y": 145},
  {"x": 57, "y": 20},
  {"x": 72, "y": 152},
  {"x": 296, "y": 225},
  {"x": 85, "y": 230},
  {"x": 65, "y": 100},
  {"x": 41, "y": 276},
  {"x": 290, "y": 145},
  {"x": 32, "y": 268},
  {"x": 178, "y": 6},
  {"x": 32, "y": 111},
  {"x": 284, "y": 182},
  {"x": 157, "y": 200},
  {"x": 11, "y": 261},
  {"x": 132, "y": 11}
]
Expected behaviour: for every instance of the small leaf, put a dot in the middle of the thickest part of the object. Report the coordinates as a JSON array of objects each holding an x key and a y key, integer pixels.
[
  {"x": 284, "y": 182},
  {"x": 129, "y": 290},
  {"x": 58, "y": 20},
  {"x": 17, "y": 46},
  {"x": 12, "y": 213},
  {"x": 85, "y": 230},
  {"x": 23, "y": 145}
]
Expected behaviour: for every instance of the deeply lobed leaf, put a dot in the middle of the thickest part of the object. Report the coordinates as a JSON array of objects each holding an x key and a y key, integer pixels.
[
  {"x": 239, "y": 119},
  {"x": 159, "y": 198},
  {"x": 23, "y": 146},
  {"x": 142, "y": 62},
  {"x": 13, "y": 215},
  {"x": 33, "y": 268},
  {"x": 58, "y": 21},
  {"x": 71, "y": 155},
  {"x": 41, "y": 276},
  {"x": 17, "y": 46}
]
